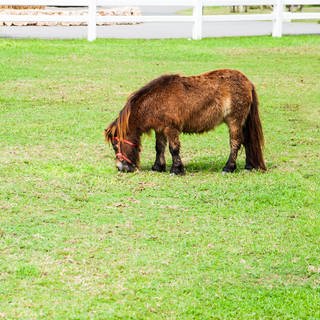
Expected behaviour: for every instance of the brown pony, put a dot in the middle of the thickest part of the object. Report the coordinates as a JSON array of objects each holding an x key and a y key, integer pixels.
[{"x": 172, "y": 104}]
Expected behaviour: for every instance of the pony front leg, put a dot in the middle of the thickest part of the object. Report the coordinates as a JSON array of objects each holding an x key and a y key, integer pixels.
[
  {"x": 174, "y": 147},
  {"x": 160, "y": 163}
]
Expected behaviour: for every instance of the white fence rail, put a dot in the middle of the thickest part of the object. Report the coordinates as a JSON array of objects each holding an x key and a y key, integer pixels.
[{"x": 277, "y": 16}]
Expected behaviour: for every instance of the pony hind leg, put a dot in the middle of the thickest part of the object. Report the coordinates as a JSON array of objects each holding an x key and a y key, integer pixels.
[
  {"x": 160, "y": 162},
  {"x": 235, "y": 133},
  {"x": 174, "y": 147}
]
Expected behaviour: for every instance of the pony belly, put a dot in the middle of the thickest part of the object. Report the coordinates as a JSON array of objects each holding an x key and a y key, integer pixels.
[{"x": 202, "y": 123}]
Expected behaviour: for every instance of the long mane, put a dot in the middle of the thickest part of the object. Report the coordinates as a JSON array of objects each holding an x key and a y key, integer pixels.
[{"x": 120, "y": 126}]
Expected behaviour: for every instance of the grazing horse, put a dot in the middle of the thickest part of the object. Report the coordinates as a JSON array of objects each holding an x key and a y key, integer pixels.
[{"x": 174, "y": 104}]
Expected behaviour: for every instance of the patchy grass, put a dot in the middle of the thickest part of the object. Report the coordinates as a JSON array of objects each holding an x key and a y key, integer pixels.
[{"x": 79, "y": 241}]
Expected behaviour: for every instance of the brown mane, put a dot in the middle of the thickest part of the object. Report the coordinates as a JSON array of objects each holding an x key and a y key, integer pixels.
[{"x": 119, "y": 127}]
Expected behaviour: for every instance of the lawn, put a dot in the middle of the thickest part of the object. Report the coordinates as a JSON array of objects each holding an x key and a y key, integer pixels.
[{"x": 80, "y": 241}]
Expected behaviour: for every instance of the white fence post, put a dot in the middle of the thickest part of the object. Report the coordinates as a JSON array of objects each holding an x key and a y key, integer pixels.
[
  {"x": 197, "y": 24},
  {"x": 277, "y": 18},
  {"x": 92, "y": 20}
]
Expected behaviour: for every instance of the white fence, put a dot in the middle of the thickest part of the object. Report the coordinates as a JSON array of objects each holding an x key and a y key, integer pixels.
[{"x": 277, "y": 16}]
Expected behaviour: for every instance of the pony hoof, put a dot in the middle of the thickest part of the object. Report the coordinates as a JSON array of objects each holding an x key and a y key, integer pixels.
[
  {"x": 177, "y": 173},
  {"x": 228, "y": 170},
  {"x": 172, "y": 174},
  {"x": 158, "y": 168}
]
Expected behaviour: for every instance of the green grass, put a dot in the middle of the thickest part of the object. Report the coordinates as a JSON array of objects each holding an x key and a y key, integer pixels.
[{"x": 80, "y": 241}]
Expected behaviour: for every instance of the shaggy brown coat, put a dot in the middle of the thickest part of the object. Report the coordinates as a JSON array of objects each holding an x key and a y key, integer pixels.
[{"x": 174, "y": 104}]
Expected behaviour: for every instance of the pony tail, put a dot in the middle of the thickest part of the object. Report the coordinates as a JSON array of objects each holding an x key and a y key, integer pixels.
[{"x": 253, "y": 139}]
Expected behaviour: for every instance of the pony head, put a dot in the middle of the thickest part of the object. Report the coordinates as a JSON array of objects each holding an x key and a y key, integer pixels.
[{"x": 125, "y": 145}]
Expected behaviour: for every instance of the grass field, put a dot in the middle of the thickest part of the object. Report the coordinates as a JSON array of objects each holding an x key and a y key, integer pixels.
[{"x": 80, "y": 241}]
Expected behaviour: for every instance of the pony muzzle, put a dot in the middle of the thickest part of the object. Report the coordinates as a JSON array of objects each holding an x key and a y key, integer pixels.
[{"x": 123, "y": 166}]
